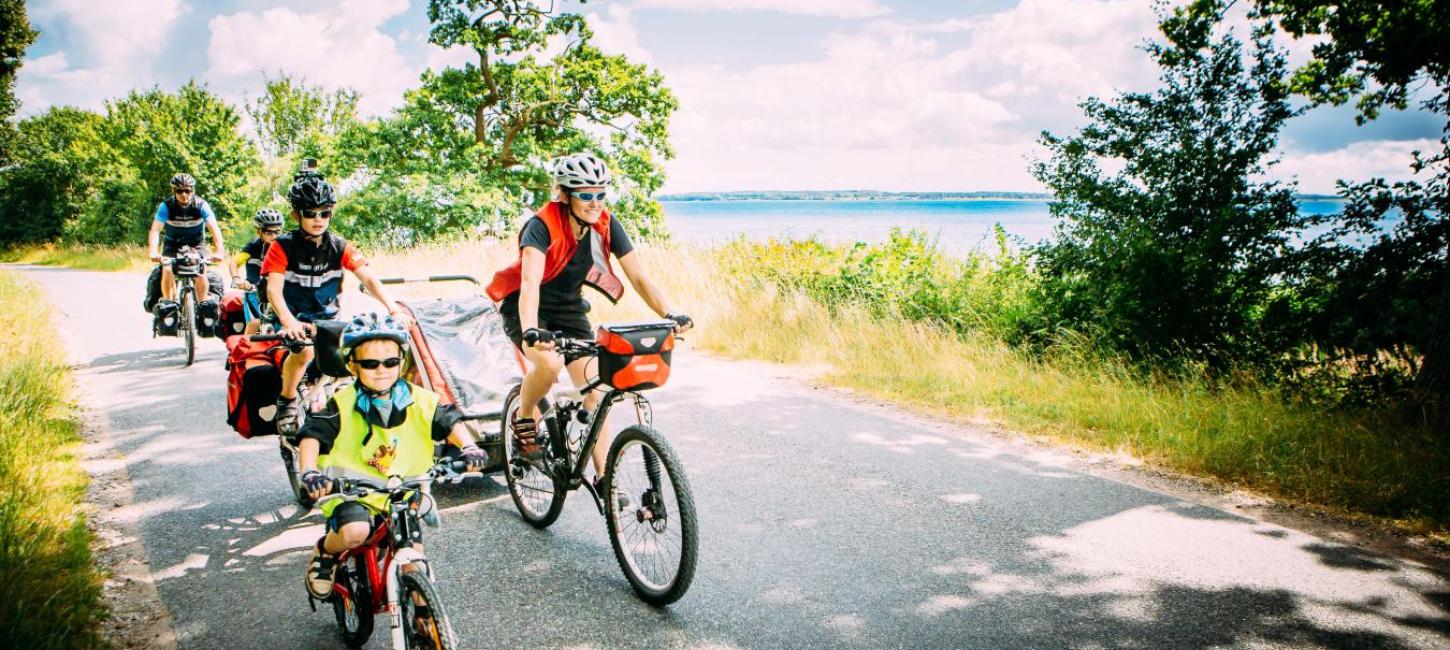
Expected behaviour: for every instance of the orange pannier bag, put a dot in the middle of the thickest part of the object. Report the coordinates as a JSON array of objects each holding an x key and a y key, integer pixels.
[{"x": 635, "y": 356}]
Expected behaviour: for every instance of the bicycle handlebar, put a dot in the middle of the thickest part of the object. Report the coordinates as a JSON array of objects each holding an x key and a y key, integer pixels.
[{"x": 354, "y": 488}]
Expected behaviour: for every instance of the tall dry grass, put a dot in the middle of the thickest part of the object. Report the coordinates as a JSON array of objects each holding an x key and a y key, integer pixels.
[
  {"x": 51, "y": 592},
  {"x": 1249, "y": 436}
]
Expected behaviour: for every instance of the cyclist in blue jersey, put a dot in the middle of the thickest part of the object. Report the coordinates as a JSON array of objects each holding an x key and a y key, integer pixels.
[{"x": 184, "y": 219}]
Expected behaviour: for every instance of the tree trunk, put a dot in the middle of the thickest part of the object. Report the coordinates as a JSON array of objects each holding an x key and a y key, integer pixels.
[{"x": 1432, "y": 386}]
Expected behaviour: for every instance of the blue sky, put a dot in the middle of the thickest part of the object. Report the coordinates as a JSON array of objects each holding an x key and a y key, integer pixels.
[{"x": 775, "y": 94}]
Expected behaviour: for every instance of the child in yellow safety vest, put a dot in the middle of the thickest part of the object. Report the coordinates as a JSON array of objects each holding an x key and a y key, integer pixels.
[{"x": 381, "y": 426}]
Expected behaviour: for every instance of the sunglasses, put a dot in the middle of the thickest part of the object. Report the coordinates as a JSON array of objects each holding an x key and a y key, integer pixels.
[
  {"x": 272, "y": 231},
  {"x": 317, "y": 214},
  {"x": 590, "y": 196},
  {"x": 180, "y": 192},
  {"x": 372, "y": 364}
]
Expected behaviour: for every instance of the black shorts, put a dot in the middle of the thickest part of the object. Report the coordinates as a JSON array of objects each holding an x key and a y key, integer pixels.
[
  {"x": 572, "y": 321},
  {"x": 170, "y": 247},
  {"x": 346, "y": 513}
]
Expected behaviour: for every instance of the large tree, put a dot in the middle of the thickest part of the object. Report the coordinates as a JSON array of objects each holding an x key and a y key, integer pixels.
[
  {"x": 1173, "y": 255},
  {"x": 539, "y": 89},
  {"x": 293, "y": 118},
  {"x": 1393, "y": 293},
  {"x": 15, "y": 36},
  {"x": 158, "y": 134}
]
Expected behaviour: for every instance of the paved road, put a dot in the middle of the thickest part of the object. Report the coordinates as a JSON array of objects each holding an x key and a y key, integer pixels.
[{"x": 823, "y": 524}]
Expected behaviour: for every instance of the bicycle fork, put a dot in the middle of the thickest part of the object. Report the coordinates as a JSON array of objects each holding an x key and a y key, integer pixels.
[{"x": 403, "y": 557}]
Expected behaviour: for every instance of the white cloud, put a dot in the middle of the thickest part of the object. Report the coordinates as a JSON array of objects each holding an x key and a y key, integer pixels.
[
  {"x": 614, "y": 33},
  {"x": 894, "y": 105},
  {"x": 1360, "y": 161},
  {"x": 336, "y": 45},
  {"x": 836, "y": 8},
  {"x": 119, "y": 40}
]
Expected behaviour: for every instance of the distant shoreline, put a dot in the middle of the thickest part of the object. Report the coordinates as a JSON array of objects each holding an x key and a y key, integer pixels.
[{"x": 870, "y": 195}]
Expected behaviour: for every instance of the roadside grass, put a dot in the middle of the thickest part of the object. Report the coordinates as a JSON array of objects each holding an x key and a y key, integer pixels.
[
  {"x": 52, "y": 591},
  {"x": 76, "y": 256},
  {"x": 1349, "y": 462}
]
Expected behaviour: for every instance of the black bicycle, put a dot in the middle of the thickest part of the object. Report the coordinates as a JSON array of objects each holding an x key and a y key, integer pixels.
[
  {"x": 186, "y": 267},
  {"x": 646, "y": 500}
]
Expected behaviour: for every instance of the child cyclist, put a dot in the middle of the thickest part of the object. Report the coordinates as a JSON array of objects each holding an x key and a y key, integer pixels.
[
  {"x": 304, "y": 269},
  {"x": 378, "y": 427},
  {"x": 246, "y": 267}
]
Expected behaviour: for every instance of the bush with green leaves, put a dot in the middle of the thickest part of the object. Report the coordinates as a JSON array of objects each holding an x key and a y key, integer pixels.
[{"x": 1175, "y": 256}]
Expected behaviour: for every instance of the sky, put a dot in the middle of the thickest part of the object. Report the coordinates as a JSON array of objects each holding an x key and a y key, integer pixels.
[{"x": 908, "y": 95}]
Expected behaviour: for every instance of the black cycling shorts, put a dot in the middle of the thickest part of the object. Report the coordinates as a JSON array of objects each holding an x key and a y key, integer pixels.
[
  {"x": 346, "y": 513},
  {"x": 571, "y": 321}
]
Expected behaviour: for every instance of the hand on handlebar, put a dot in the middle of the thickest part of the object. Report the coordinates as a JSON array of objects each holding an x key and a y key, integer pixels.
[
  {"x": 683, "y": 323},
  {"x": 297, "y": 331},
  {"x": 476, "y": 458},
  {"x": 538, "y": 339},
  {"x": 316, "y": 484},
  {"x": 156, "y": 257},
  {"x": 242, "y": 285}
]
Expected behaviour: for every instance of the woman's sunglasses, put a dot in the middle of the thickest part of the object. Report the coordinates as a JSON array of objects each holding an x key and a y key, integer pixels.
[
  {"x": 317, "y": 214},
  {"x": 590, "y": 196},
  {"x": 272, "y": 231},
  {"x": 372, "y": 364}
]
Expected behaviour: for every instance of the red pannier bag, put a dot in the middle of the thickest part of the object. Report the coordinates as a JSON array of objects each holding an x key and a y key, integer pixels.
[
  {"x": 635, "y": 356},
  {"x": 254, "y": 381},
  {"x": 233, "y": 319}
]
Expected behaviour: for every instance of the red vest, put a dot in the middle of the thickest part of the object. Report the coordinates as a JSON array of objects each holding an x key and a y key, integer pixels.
[{"x": 562, "y": 245}]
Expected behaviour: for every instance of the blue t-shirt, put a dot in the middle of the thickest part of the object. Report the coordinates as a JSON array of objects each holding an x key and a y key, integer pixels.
[{"x": 185, "y": 224}]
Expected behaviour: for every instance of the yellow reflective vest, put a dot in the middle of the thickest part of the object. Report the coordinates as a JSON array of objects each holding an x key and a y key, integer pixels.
[{"x": 405, "y": 450}]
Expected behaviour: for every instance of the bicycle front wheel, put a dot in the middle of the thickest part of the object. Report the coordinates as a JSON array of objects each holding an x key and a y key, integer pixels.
[
  {"x": 537, "y": 493},
  {"x": 425, "y": 621},
  {"x": 651, "y": 515},
  {"x": 188, "y": 322},
  {"x": 354, "y": 612}
]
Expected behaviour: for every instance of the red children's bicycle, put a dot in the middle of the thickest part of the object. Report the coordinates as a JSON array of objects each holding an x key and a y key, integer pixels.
[{"x": 386, "y": 574}]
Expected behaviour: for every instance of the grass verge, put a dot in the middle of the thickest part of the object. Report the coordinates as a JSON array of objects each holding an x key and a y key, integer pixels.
[
  {"x": 91, "y": 258},
  {"x": 52, "y": 590},
  {"x": 1358, "y": 463}
]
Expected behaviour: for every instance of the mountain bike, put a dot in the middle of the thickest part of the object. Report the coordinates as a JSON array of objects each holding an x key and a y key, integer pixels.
[
  {"x": 371, "y": 579},
  {"x": 646, "y": 502}
]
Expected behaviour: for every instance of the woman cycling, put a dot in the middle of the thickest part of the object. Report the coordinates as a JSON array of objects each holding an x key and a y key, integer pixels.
[{"x": 563, "y": 247}]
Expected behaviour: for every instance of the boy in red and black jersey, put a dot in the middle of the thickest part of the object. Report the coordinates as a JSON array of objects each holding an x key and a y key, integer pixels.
[{"x": 304, "y": 278}]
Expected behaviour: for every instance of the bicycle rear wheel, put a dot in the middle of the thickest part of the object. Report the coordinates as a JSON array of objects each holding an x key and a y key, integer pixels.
[
  {"x": 354, "y": 612},
  {"x": 188, "y": 321},
  {"x": 537, "y": 493},
  {"x": 651, "y": 515},
  {"x": 425, "y": 626}
]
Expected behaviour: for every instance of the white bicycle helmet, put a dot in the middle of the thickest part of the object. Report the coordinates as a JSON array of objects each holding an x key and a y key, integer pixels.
[
  {"x": 267, "y": 218},
  {"x": 581, "y": 170}
]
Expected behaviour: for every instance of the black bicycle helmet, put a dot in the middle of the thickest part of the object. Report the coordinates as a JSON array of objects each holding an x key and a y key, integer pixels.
[{"x": 309, "y": 191}]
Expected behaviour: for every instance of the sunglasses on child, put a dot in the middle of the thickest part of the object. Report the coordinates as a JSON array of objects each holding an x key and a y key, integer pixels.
[
  {"x": 372, "y": 364},
  {"x": 317, "y": 214},
  {"x": 590, "y": 196},
  {"x": 272, "y": 231}
]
